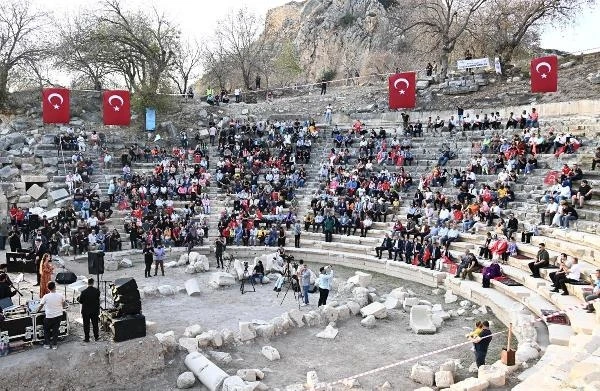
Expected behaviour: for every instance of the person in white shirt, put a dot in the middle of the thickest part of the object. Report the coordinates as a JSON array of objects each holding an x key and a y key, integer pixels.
[
  {"x": 237, "y": 92},
  {"x": 53, "y": 304},
  {"x": 572, "y": 275},
  {"x": 328, "y": 112},
  {"x": 549, "y": 212},
  {"x": 324, "y": 283},
  {"x": 92, "y": 240}
]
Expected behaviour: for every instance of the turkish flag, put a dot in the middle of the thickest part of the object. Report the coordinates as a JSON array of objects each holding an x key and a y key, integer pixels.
[
  {"x": 402, "y": 89},
  {"x": 544, "y": 74},
  {"x": 56, "y": 106},
  {"x": 116, "y": 107}
]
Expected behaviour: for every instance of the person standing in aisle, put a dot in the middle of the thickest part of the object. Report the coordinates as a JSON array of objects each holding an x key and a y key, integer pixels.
[{"x": 297, "y": 232}]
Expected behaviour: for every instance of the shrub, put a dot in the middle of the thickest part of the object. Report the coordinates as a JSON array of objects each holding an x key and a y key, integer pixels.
[
  {"x": 328, "y": 74},
  {"x": 347, "y": 20}
]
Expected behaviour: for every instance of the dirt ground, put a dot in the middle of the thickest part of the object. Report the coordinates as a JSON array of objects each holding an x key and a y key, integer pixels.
[{"x": 354, "y": 350}]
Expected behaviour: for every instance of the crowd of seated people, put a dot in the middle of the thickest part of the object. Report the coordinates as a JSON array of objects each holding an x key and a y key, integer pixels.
[{"x": 260, "y": 168}]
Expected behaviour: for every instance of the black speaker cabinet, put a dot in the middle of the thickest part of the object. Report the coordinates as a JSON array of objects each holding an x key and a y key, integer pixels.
[
  {"x": 127, "y": 297},
  {"x": 128, "y": 327},
  {"x": 129, "y": 308},
  {"x": 96, "y": 262},
  {"x": 125, "y": 286}
]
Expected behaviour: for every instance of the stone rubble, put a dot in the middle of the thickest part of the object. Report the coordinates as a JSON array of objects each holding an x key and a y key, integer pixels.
[{"x": 270, "y": 353}]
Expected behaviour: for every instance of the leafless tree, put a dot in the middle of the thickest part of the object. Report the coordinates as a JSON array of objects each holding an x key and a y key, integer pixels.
[
  {"x": 141, "y": 47},
  {"x": 445, "y": 21},
  {"x": 80, "y": 53},
  {"x": 21, "y": 41},
  {"x": 186, "y": 65},
  {"x": 238, "y": 34},
  {"x": 218, "y": 65},
  {"x": 505, "y": 24}
]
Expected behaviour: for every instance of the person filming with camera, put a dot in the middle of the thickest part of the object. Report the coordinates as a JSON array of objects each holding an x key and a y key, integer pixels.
[
  {"x": 324, "y": 282},
  {"x": 258, "y": 272}
]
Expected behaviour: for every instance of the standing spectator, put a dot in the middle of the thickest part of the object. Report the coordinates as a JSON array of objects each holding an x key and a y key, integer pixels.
[
  {"x": 53, "y": 304},
  {"x": 219, "y": 249},
  {"x": 257, "y": 81},
  {"x": 328, "y": 226},
  {"x": 238, "y": 95},
  {"x": 148, "y": 260},
  {"x": 90, "y": 309},
  {"x": 304, "y": 274},
  {"x": 324, "y": 283},
  {"x": 297, "y": 232},
  {"x": 328, "y": 113},
  {"x": 542, "y": 259},
  {"x": 323, "y": 86},
  {"x": 159, "y": 259},
  {"x": 429, "y": 69},
  {"x": 3, "y": 234},
  {"x": 481, "y": 342}
]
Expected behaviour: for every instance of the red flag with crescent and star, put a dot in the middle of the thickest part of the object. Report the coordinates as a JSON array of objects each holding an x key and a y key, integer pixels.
[
  {"x": 544, "y": 74},
  {"x": 116, "y": 107},
  {"x": 402, "y": 90},
  {"x": 56, "y": 106}
]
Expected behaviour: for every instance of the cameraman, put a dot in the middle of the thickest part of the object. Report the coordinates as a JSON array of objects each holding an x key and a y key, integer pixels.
[
  {"x": 324, "y": 283},
  {"x": 258, "y": 272}
]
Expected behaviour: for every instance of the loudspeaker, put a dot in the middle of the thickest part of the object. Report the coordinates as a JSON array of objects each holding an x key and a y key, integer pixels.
[
  {"x": 65, "y": 278},
  {"x": 96, "y": 262},
  {"x": 127, "y": 297},
  {"x": 128, "y": 327},
  {"x": 125, "y": 286},
  {"x": 129, "y": 308}
]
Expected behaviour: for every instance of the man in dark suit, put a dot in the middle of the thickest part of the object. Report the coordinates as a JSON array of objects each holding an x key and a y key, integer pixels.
[
  {"x": 399, "y": 249},
  {"x": 386, "y": 244},
  {"x": 90, "y": 309},
  {"x": 37, "y": 252}
]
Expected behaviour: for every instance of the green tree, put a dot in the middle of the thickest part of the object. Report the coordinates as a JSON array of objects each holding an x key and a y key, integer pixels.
[{"x": 287, "y": 63}]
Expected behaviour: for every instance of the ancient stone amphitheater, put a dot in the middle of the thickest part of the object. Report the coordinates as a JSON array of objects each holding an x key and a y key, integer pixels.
[{"x": 568, "y": 353}]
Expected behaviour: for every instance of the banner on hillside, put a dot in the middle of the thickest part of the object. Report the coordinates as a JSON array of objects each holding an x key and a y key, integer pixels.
[
  {"x": 150, "y": 119},
  {"x": 474, "y": 63},
  {"x": 544, "y": 74},
  {"x": 402, "y": 90},
  {"x": 56, "y": 106},
  {"x": 116, "y": 107}
]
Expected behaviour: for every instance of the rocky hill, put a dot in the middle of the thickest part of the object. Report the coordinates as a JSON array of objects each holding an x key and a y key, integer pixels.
[{"x": 341, "y": 35}]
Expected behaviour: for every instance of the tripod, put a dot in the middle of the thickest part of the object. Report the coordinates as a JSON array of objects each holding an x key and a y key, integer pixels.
[
  {"x": 246, "y": 276},
  {"x": 290, "y": 283}
]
